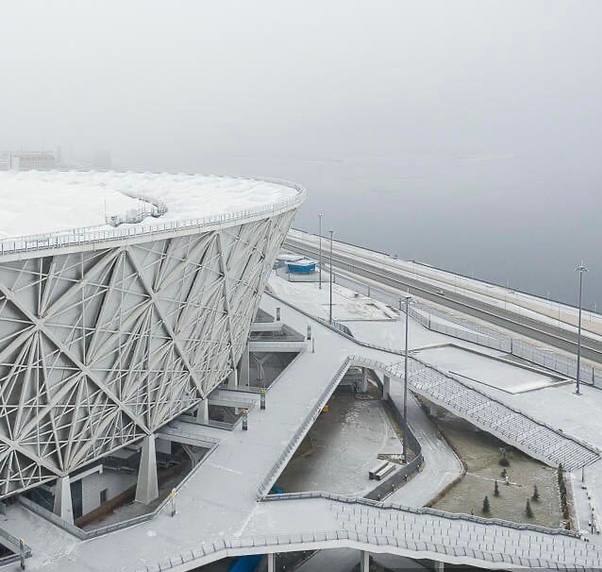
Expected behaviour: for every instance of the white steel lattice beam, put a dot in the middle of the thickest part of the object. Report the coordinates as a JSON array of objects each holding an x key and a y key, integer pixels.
[
  {"x": 176, "y": 343},
  {"x": 224, "y": 268},
  {"x": 100, "y": 348}
]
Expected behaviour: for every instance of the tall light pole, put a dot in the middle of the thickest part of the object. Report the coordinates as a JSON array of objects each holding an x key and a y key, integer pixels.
[
  {"x": 405, "y": 381},
  {"x": 330, "y": 277},
  {"x": 320, "y": 255},
  {"x": 581, "y": 269}
]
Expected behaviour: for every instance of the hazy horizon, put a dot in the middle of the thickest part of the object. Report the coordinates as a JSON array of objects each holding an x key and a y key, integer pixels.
[{"x": 463, "y": 134}]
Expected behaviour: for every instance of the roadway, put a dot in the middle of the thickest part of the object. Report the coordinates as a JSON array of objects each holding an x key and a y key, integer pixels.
[{"x": 364, "y": 264}]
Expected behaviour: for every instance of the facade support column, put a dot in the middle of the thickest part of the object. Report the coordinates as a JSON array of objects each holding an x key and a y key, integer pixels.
[
  {"x": 147, "y": 488},
  {"x": 364, "y": 384},
  {"x": 439, "y": 566},
  {"x": 364, "y": 561},
  {"x": 386, "y": 387},
  {"x": 202, "y": 413},
  {"x": 271, "y": 562},
  {"x": 244, "y": 367},
  {"x": 233, "y": 379},
  {"x": 63, "y": 504}
]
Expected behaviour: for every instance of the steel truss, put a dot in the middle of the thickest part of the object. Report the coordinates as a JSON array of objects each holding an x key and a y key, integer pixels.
[{"x": 100, "y": 348}]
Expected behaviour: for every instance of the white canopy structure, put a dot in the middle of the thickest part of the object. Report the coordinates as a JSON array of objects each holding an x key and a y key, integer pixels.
[{"x": 109, "y": 332}]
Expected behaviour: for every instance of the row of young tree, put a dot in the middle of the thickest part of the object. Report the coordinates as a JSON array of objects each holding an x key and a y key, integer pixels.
[{"x": 486, "y": 509}]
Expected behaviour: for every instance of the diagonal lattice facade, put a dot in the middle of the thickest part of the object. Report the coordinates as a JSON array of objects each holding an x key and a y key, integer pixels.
[{"x": 99, "y": 348}]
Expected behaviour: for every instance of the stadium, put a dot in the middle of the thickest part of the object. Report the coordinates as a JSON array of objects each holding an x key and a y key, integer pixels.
[{"x": 129, "y": 305}]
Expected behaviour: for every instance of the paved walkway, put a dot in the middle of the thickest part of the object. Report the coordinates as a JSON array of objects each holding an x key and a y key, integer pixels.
[
  {"x": 511, "y": 426},
  {"x": 416, "y": 534},
  {"x": 441, "y": 466}
]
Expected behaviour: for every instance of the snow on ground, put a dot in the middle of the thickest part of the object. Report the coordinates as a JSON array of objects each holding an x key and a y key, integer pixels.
[
  {"x": 528, "y": 305},
  {"x": 445, "y": 323},
  {"x": 483, "y": 369},
  {"x": 554, "y": 403},
  {"x": 392, "y": 334},
  {"x": 345, "y": 444},
  {"x": 346, "y": 304},
  {"x": 368, "y": 319},
  {"x": 35, "y": 202}
]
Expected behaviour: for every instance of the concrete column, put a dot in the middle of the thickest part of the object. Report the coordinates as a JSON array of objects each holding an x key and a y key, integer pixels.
[
  {"x": 233, "y": 379},
  {"x": 365, "y": 561},
  {"x": 63, "y": 505},
  {"x": 437, "y": 411},
  {"x": 202, "y": 413},
  {"x": 244, "y": 367},
  {"x": 439, "y": 566},
  {"x": 364, "y": 385},
  {"x": 271, "y": 562},
  {"x": 147, "y": 488},
  {"x": 260, "y": 372},
  {"x": 386, "y": 387}
]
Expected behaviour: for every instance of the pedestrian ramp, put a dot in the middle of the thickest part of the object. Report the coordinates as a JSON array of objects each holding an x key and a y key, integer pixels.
[{"x": 536, "y": 439}]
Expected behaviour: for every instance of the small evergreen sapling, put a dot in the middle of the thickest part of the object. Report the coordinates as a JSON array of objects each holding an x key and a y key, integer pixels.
[{"x": 535, "y": 496}]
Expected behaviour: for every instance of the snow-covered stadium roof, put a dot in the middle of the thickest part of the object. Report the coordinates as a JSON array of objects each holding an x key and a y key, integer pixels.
[{"x": 40, "y": 202}]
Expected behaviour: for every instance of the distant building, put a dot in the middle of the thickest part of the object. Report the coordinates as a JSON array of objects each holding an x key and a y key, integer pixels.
[{"x": 28, "y": 161}]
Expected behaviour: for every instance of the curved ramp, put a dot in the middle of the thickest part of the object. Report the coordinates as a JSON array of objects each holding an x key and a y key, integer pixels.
[
  {"x": 414, "y": 533},
  {"x": 514, "y": 427}
]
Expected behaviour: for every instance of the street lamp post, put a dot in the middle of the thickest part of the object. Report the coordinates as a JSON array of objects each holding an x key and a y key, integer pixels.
[
  {"x": 405, "y": 381},
  {"x": 330, "y": 278},
  {"x": 320, "y": 255},
  {"x": 581, "y": 269}
]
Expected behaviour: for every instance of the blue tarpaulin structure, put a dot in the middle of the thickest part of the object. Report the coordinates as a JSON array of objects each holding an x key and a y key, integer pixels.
[{"x": 301, "y": 266}]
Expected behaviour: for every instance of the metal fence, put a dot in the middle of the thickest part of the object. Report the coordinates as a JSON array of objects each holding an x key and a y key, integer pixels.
[
  {"x": 106, "y": 529},
  {"x": 270, "y": 478},
  {"x": 94, "y": 235},
  {"x": 361, "y": 501},
  {"x": 473, "y": 548},
  {"x": 464, "y": 328},
  {"x": 17, "y": 546},
  {"x": 560, "y": 363},
  {"x": 400, "y": 476}
]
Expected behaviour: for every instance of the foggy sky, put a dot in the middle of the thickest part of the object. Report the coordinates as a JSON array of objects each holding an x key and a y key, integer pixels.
[{"x": 464, "y": 133}]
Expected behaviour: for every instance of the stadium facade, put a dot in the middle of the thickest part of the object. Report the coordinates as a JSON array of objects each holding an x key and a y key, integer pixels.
[{"x": 108, "y": 334}]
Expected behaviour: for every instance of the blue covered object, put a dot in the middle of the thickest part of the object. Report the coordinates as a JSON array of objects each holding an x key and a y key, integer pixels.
[
  {"x": 301, "y": 267},
  {"x": 246, "y": 563}
]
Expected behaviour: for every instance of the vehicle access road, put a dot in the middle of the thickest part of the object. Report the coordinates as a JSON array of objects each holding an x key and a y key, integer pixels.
[{"x": 368, "y": 267}]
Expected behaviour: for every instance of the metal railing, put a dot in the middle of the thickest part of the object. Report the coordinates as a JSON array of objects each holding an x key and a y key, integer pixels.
[
  {"x": 417, "y": 364},
  {"x": 470, "y": 545},
  {"x": 100, "y": 234},
  {"x": 432, "y": 375},
  {"x": 463, "y": 328},
  {"x": 270, "y": 478},
  {"x": 106, "y": 529},
  {"x": 511, "y": 425},
  {"x": 19, "y": 550},
  {"x": 406, "y": 470},
  {"x": 361, "y": 501}
]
